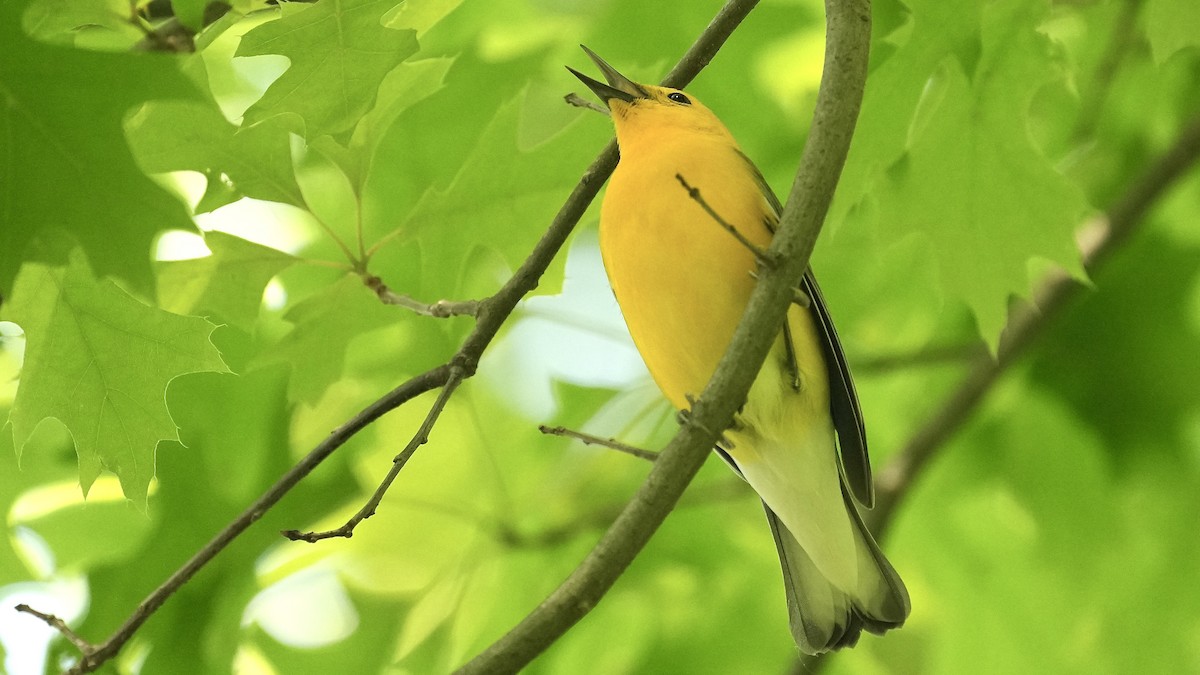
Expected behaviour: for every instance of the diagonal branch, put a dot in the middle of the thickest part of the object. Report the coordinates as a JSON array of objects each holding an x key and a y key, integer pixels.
[
  {"x": 1099, "y": 239},
  {"x": 93, "y": 659},
  {"x": 490, "y": 315},
  {"x": 848, "y": 40},
  {"x": 420, "y": 438}
]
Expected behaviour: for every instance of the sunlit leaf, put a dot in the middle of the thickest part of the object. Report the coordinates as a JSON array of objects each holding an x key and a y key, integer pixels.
[
  {"x": 99, "y": 362},
  {"x": 946, "y": 119},
  {"x": 180, "y": 135},
  {"x": 339, "y": 52},
  {"x": 324, "y": 325}
]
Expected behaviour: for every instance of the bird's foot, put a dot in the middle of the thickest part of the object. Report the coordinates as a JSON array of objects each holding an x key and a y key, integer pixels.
[{"x": 685, "y": 416}]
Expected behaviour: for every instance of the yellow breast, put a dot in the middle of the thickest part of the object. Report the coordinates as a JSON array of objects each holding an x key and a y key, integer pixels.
[{"x": 682, "y": 281}]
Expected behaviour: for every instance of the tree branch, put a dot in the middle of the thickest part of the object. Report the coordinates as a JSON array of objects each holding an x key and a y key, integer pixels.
[
  {"x": 1099, "y": 239},
  {"x": 420, "y": 438},
  {"x": 61, "y": 626},
  {"x": 490, "y": 314},
  {"x": 847, "y": 44},
  {"x": 91, "y": 660},
  {"x": 441, "y": 309}
]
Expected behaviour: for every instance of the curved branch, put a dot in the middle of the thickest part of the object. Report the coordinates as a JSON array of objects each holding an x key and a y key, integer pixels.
[
  {"x": 848, "y": 40},
  {"x": 490, "y": 313},
  {"x": 95, "y": 657},
  {"x": 1100, "y": 238}
]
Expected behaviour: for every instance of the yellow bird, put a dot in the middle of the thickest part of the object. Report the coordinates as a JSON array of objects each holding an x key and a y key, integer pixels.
[{"x": 683, "y": 282}]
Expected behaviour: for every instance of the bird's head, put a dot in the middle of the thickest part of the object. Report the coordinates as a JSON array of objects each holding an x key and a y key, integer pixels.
[{"x": 649, "y": 113}]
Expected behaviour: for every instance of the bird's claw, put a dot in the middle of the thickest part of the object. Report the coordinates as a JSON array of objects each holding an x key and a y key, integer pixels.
[{"x": 685, "y": 417}]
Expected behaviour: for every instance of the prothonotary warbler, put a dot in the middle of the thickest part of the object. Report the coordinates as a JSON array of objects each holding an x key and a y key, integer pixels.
[{"x": 683, "y": 282}]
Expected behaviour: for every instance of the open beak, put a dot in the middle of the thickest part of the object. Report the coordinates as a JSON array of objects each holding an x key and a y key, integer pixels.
[{"x": 618, "y": 87}]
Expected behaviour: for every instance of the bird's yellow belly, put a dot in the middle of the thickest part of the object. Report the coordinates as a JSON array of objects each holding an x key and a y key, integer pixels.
[{"x": 681, "y": 280}]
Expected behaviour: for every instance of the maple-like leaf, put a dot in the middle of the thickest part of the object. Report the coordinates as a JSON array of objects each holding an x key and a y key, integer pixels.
[
  {"x": 407, "y": 84},
  {"x": 945, "y": 125},
  {"x": 99, "y": 361},
  {"x": 182, "y": 135},
  {"x": 500, "y": 200},
  {"x": 340, "y": 52},
  {"x": 64, "y": 162}
]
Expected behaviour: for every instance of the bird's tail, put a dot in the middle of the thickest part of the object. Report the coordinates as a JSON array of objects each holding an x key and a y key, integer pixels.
[{"x": 824, "y": 617}]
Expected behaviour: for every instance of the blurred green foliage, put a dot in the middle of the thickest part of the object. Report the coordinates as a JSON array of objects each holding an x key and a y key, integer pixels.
[{"x": 1056, "y": 533}]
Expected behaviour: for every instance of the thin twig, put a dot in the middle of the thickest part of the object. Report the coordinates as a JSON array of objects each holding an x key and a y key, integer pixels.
[
  {"x": 61, "y": 626},
  {"x": 415, "y": 386},
  {"x": 491, "y": 315},
  {"x": 580, "y": 102},
  {"x": 838, "y": 101},
  {"x": 589, "y": 439},
  {"x": 759, "y": 253},
  {"x": 441, "y": 309},
  {"x": 420, "y": 438}
]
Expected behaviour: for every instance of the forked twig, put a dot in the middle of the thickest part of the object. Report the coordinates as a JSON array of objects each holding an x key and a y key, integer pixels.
[{"x": 420, "y": 438}]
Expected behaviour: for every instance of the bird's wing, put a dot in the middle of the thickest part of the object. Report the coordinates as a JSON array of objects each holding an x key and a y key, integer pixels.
[{"x": 843, "y": 399}]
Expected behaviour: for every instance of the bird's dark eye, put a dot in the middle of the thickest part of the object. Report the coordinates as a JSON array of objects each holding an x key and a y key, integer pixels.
[{"x": 678, "y": 97}]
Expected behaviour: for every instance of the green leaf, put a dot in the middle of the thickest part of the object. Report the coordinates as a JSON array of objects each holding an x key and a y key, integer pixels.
[
  {"x": 324, "y": 326},
  {"x": 229, "y": 283},
  {"x": 99, "y": 361},
  {"x": 1172, "y": 25},
  {"x": 970, "y": 179},
  {"x": 236, "y": 431},
  {"x": 502, "y": 199},
  {"x": 64, "y": 162},
  {"x": 405, "y": 85},
  {"x": 51, "y": 461},
  {"x": 191, "y": 135},
  {"x": 340, "y": 52},
  {"x": 420, "y": 15},
  {"x": 61, "y": 21}
]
